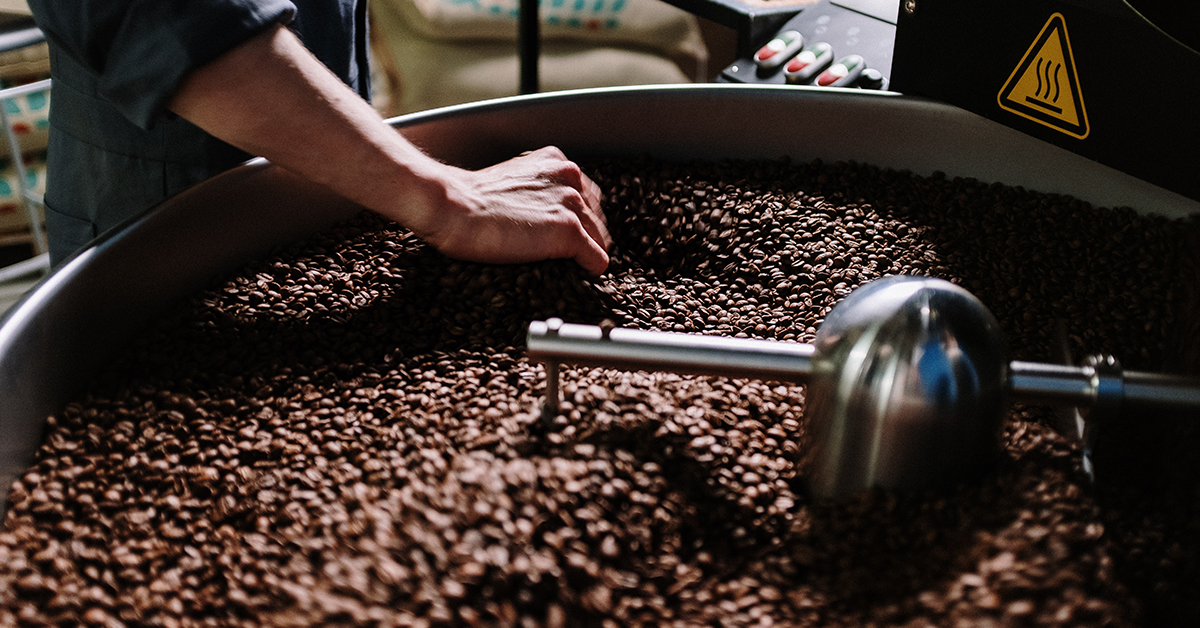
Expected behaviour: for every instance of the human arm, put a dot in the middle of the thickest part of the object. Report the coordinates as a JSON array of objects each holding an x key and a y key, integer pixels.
[{"x": 271, "y": 97}]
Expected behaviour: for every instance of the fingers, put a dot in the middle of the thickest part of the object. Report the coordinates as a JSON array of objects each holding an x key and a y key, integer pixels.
[
  {"x": 552, "y": 152},
  {"x": 591, "y": 193},
  {"x": 586, "y": 249},
  {"x": 591, "y": 216},
  {"x": 565, "y": 172},
  {"x": 596, "y": 229},
  {"x": 556, "y": 168},
  {"x": 592, "y": 257},
  {"x": 539, "y": 185}
]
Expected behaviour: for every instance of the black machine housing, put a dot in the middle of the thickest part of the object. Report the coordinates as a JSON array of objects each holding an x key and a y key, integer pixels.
[
  {"x": 1114, "y": 81},
  {"x": 1138, "y": 81}
]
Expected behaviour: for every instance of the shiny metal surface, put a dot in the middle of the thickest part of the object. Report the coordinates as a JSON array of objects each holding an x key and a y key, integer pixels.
[
  {"x": 636, "y": 349},
  {"x": 53, "y": 342},
  {"x": 1153, "y": 391},
  {"x": 908, "y": 388},
  {"x": 907, "y": 382},
  {"x": 1082, "y": 386},
  {"x": 1051, "y": 383}
]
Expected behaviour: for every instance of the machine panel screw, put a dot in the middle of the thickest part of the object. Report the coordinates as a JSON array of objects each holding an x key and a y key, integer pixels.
[{"x": 910, "y": 6}]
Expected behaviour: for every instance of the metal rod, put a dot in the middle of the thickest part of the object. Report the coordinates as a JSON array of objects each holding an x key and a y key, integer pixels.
[
  {"x": 1081, "y": 386},
  {"x": 554, "y": 342},
  {"x": 529, "y": 45},
  {"x": 553, "y": 401},
  {"x": 1051, "y": 383},
  {"x": 1165, "y": 392},
  {"x": 666, "y": 351}
]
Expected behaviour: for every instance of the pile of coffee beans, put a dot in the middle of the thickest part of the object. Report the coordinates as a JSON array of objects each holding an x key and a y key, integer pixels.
[{"x": 348, "y": 432}]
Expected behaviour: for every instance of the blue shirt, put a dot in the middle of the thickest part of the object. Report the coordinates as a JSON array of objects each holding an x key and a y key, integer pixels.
[{"x": 114, "y": 149}]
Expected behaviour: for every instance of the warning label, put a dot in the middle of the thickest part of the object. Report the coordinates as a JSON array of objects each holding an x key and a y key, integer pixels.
[{"x": 1044, "y": 87}]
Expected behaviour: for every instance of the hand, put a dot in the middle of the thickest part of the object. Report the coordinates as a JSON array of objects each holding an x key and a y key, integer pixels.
[
  {"x": 535, "y": 206},
  {"x": 269, "y": 96}
]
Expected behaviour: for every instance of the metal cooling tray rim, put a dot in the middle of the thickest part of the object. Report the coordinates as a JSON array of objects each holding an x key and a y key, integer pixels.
[
  {"x": 721, "y": 120},
  {"x": 60, "y": 335}
]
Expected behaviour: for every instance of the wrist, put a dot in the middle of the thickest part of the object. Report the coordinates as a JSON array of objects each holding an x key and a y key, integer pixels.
[
  {"x": 390, "y": 176},
  {"x": 424, "y": 195}
]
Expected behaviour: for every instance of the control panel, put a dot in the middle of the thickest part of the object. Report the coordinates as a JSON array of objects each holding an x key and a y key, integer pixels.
[{"x": 843, "y": 43}]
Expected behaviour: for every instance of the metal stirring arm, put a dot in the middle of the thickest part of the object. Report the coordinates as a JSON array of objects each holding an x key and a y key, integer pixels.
[
  {"x": 1105, "y": 390},
  {"x": 1099, "y": 384},
  {"x": 1102, "y": 385},
  {"x": 906, "y": 379},
  {"x": 553, "y": 342},
  {"x": 634, "y": 349}
]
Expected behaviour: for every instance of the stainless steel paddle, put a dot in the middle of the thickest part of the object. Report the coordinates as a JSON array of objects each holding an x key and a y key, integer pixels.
[{"x": 907, "y": 381}]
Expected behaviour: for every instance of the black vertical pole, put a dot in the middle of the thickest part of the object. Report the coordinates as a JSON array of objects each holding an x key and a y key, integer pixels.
[{"x": 529, "y": 45}]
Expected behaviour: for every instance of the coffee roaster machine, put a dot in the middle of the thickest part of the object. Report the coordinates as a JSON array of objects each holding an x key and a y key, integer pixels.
[{"x": 63, "y": 332}]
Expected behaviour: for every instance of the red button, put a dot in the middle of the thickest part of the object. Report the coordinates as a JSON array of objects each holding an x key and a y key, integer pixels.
[
  {"x": 843, "y": 73},
  {"x": 778, "y": 50},
  {"x": 800, "y": 61},
  {"x": 831, "y": 76},
  {"x": 768, "y": 51}
]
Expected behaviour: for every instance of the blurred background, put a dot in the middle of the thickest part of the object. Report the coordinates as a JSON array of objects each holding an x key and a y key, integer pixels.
[
  {"x": 24, "y": 109},
  {"x": 432, "y": 53}
]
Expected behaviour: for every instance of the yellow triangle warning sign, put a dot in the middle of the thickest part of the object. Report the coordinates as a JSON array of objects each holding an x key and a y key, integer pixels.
[{"x": 1044, "y": 87}]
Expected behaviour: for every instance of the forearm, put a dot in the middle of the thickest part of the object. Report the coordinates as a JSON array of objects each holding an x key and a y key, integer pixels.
[{"x": 272, "y": 98}]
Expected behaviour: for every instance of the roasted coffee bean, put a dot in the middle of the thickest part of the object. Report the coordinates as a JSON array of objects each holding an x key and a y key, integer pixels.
[{"x": 348, "y": 432}]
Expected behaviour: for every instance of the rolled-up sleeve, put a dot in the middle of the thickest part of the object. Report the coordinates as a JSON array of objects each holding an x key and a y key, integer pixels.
[{"x": 139, "y": 50}]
